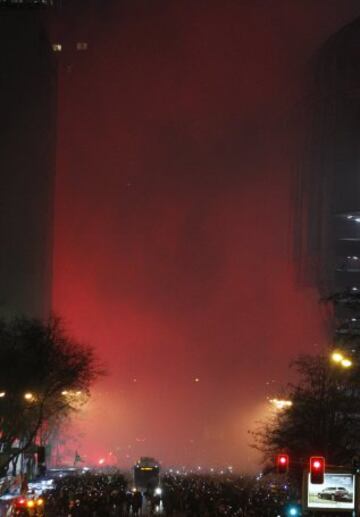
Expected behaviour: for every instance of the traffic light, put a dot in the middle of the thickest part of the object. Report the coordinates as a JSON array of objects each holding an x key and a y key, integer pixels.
[
  {"x": 282, "y": 463},
  {"x": 293, "y": 510},
  {"x": 317, "y": 470}
]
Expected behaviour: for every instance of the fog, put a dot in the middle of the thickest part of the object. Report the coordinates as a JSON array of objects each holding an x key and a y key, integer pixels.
[{"x": 179, "y": 138}]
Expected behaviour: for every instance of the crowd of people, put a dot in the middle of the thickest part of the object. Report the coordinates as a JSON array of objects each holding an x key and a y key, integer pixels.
[
  {"x": 211, "y": 496},
  {"x": 111, "y": 495},
  {"x": 186, "y": 496},
  {"x": 91, "y": 495},
  {"x": 94, "y": 495}
]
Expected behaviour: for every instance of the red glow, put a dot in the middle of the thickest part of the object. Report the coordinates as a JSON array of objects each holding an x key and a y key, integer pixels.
[
  {"x": 283, "y": 460},
  {"x": 172, "y": 250},
  {"x": 317, "y": 463}
]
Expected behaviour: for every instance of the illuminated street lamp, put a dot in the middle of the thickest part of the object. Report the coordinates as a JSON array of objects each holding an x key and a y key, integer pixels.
[
  {"x": 2, "y": 394},
  {"x": 29, "y": 397},
  {"x": 66, "y": 393},
  {"x": 281, "y": 404},
  {"x": 346, "y": 363},
  {"x": 339, "y": 358}
]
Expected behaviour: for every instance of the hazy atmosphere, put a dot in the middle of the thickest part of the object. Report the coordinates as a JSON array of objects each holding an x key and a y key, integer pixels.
[{"x": 178, "y": 143}]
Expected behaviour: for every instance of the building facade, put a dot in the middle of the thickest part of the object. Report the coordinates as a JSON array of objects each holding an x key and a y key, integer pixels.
[
  {"x": 28, "y": 103},
  {"x": 328, "y": 200}
]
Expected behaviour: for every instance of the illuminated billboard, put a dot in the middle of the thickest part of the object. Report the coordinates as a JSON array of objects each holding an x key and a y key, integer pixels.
[{"x": 336, "y": 493}]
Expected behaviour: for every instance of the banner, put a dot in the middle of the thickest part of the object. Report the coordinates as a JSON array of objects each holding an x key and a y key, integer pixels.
[{"x": 336, "y": 493}]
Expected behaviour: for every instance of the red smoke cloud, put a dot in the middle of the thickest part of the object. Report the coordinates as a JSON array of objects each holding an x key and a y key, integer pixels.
[{"x": 176, "y": 159}]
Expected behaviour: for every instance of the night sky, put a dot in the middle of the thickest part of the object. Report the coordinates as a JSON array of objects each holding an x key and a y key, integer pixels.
[{"x": 178, "y": 146}]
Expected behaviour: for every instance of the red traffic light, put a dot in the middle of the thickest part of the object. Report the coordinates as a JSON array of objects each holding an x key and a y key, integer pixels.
[
  {"x": 317, "y": 470},
  {"x": 282, "y": 463}
]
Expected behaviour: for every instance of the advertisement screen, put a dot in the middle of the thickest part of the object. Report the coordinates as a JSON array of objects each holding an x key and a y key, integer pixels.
[{"x": 336, "y": 493}]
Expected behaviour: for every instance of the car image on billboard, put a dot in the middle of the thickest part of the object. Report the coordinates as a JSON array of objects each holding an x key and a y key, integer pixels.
[{"x": 337, "y": 493}]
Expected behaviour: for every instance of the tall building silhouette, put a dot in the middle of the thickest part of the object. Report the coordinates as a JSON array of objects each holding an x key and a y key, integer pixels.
[
  {"x": 28, "y": 81},
  {"x": 328, "y": 223}
]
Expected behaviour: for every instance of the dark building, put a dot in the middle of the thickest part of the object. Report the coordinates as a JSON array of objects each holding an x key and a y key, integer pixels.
[
  {"x": 28, "y": 80},
  {"x": 328, "y": 229}
]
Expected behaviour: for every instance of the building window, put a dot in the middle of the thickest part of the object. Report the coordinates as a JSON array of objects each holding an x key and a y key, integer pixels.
[
  {"x": 81, "y": 45},
  {"x": 57, "y": 47}
]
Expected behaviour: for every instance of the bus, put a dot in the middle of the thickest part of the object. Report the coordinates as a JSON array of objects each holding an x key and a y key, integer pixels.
[{"x": 147, "y": 476}]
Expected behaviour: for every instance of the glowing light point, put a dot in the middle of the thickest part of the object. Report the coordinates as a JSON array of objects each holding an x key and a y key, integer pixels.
[
  {"x": 57, "y": 47},
  {"x": 282, "y": 463},
  {"x": 317, "y": 470},
  {"x": 337, "y": 357},
  {"x": 81, "y": 45},
  {"x": 346, "y": 363},
  {"x": 281, "y": 404}
]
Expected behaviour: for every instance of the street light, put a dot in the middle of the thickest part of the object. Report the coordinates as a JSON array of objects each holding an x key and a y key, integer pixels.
[
  {"x": 346, "y": 363},
  {"x": 339, "y": 359},
  {"x": 2, "y": 394},
  {"x": 66, "y": 393},
  {"x": 29, "y": 397},
  {"x": 281, "y": 404}
]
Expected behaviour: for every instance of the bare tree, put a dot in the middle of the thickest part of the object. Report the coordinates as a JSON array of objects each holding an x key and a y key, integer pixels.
[
  {"x": 45, "y": 375},
  {"x": 323, "y": 419}
]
